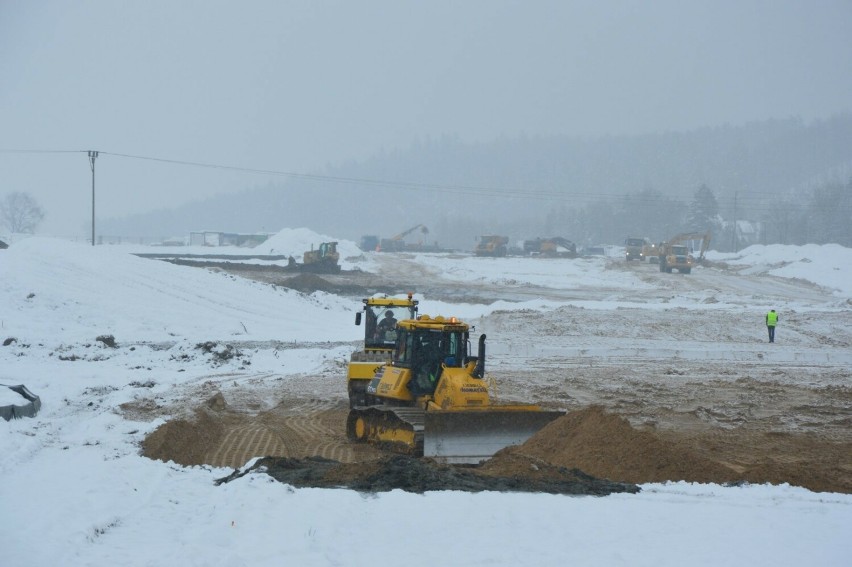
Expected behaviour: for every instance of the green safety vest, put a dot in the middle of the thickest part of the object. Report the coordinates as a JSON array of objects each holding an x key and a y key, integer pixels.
[{"x": 771, "y": 318}]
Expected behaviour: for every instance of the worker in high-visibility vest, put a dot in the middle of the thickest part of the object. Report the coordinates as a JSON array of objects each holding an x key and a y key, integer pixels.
[{"x": 771, "y": 321}]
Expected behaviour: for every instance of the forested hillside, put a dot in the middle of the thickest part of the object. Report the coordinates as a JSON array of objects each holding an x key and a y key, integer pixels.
[{"x": 783, "y": 173}]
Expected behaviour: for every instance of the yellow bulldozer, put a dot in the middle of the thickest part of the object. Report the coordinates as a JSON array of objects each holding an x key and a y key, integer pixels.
[
  {"x": 379, "y": 315},
  {"x": 323, "y": 260},
  {"x": 432, "y": 399}
]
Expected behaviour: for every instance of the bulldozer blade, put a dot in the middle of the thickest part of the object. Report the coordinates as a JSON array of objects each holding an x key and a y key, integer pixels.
[{"x": 470, "y": 437}]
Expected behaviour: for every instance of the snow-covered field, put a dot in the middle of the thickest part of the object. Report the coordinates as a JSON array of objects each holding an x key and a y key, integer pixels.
[{"x": 75, "y": 490}]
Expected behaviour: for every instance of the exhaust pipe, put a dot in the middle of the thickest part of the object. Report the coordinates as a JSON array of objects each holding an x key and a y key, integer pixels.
[{"x": 479, "y": 369}]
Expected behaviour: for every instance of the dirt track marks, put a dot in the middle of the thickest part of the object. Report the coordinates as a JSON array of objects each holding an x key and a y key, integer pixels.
[
  {"x": 242, "y": 443},
  {"x": 295, "y": 428}
]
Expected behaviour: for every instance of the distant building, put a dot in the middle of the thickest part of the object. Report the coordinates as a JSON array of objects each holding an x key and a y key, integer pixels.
[
  {"x": 217, "y": 238},
  {"x": 748, "y": 232}
]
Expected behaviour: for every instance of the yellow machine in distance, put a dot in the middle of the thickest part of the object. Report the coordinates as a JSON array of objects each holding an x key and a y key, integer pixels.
[
  {"x": 675, "y": 254},
  {"x": 379, "y": 340},
  {"x": 492, "y": 245},
  {"x": 432, "y": 399},
  {"x": 323, "y": 260},
  {"x": 675, "y": 257}
]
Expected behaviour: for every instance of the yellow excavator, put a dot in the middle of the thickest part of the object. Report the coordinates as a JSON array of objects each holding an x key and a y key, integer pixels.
[
  {"x": 704, "y": 237},
  {"x": 432, "y": 399},
  {"x": 674, "y": 253},
  {"x": 397, "y": 242}
]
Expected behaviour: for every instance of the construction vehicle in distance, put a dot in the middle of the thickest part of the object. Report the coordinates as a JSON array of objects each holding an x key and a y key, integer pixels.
[
  {"x": 675, "y": 254},
  {"x": 492, "y": 245},
  {"x": 379, "y": 341},
  {"x": 704, "y": 237},
  {"x": 369, "y": 243},
  {"x": 323, "y": 260},
  {"x": 675, "y": 257},
  {"x": 555, "y": 247},
  {"x": 651, "y": 252},
  {"x": 397, "y": 243},
  {"x": 634, "y": 248},
  {"x": 431, "y": 399}
]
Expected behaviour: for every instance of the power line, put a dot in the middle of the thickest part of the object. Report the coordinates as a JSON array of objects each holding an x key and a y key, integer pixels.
[
  {"x": 575, "y": 197},
  {"x": 17, "y": 151}
]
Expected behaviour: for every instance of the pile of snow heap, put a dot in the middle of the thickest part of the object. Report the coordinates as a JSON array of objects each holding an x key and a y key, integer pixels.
[
  {"x": 824, "y": 265},
  {"x": 295, "y": 241},
  {"x": 73, "y": 292}
]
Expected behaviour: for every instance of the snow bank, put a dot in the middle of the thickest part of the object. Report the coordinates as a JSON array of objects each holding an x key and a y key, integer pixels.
[
  {"x": 75, "y": 292},
  {"x": 826, "y": 265},
  {"x": 295, "y": 241}
]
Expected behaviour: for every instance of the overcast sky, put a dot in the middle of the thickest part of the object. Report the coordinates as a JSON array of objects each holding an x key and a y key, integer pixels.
[{"x": 295, "y": 86}]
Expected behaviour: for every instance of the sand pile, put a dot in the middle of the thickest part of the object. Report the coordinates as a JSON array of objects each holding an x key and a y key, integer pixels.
[
  {"x": 606, "y": 446},
  {"x": 185, "y": 442}
]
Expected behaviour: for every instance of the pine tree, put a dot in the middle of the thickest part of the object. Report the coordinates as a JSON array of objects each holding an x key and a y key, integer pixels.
[{"x": 703, "y": 211}]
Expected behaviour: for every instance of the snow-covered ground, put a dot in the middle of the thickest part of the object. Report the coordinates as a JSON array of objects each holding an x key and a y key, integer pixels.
[
  {"x": 826, "y": 265},
  {"x": 75, "y": 490}
]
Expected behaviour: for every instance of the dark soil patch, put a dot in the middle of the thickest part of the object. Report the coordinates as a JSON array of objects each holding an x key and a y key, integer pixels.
[
  {"x": 309, "y": 283},
  {"x": 107, "y": 340},
  {"x": 423, "y": 475}
]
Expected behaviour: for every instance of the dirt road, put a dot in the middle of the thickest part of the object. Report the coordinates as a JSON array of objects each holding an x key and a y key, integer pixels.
[{"x": 680, "y": 367}]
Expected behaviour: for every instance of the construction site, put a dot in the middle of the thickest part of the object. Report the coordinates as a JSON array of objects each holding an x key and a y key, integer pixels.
[
  {"x": 238, "y": 416},
  {"x": 665, "y": 396}
]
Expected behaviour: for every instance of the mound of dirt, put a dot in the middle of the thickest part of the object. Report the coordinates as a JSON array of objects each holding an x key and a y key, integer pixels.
[
  {"x": 421, "y": 475},
  {"x": 182, "y": 441},
  {"x": 607, "y": 446},
  {"x": 569, "y": 456},
  {"x": 802, "y": 460}
]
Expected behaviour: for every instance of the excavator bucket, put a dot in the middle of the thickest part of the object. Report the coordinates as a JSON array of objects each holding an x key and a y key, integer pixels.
[{"x": 470, "y": 437}]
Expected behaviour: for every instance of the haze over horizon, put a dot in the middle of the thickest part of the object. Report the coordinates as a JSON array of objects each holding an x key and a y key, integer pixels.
[{"x": 302, "y": 86}]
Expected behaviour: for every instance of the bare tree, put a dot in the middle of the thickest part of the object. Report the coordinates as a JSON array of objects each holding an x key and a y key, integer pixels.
[{"x": 19, "y": 212}]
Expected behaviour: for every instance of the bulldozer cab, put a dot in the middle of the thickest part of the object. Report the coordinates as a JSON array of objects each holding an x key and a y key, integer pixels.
[
  {"x": 381, "y": 316},
  {"x": 425, "y": 352}
]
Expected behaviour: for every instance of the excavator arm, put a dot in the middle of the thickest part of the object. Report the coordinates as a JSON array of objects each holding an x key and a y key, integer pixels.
[
  {"x": 705, "y": 238},
  {"x": 405, "y": 233}
]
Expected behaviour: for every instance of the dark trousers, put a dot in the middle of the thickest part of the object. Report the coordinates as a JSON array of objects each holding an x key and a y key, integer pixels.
[{"x": 771, "y": 329}]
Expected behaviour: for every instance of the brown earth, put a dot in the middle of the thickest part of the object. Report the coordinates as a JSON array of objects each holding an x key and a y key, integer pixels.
[{"x": 588, "y": 451}]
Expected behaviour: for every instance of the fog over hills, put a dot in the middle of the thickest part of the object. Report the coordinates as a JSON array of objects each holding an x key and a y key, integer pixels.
[{"x": 527, "y": 186}]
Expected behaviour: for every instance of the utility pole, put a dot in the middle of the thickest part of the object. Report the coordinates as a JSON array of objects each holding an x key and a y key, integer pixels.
[
  {"x": 734, "y": 231},
  {"x": 92, "y": 157}
]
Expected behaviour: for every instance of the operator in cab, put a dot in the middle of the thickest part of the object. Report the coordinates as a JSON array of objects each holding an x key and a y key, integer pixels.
[{"x": 388, "y": 323}]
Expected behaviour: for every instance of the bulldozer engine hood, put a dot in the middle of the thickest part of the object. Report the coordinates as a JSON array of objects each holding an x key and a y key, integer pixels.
[
  {"x": 458, "y": 389},
  {"x": 392, "y": 383}
]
